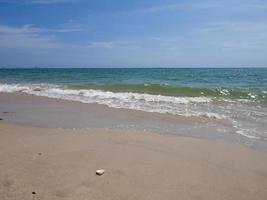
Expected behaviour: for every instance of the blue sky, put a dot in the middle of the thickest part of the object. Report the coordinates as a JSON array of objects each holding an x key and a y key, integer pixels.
[{"x": 137, "y": 33}]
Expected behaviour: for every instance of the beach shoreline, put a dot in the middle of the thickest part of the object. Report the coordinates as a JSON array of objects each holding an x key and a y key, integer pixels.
[
  {"x": 133, "y": 100},
  {"x": 38, "y": 111},
  {"x": 51, "y": 149}
]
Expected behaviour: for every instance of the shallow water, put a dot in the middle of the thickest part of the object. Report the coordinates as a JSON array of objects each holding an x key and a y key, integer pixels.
[{"x": 238, "y": 96}]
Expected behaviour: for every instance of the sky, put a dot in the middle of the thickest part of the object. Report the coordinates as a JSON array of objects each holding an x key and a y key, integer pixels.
[{"x": 133, "y": 33}]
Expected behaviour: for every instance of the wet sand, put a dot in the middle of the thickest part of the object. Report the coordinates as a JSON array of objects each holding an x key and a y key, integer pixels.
[
  {"x": 50, "y": 149},
  {"x": 54, "y": 163},
  {"x": 30, "y": 110}
]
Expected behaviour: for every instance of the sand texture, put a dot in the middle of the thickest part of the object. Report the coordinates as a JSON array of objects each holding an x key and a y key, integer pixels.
[{"x": 43, "y": 163}]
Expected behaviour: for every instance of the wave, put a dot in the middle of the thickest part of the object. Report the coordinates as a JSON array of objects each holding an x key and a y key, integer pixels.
[
  {"x": 242, "y": 94},
  {"x": 187, "y": 106},
  {"x": 129, "y": 100}
]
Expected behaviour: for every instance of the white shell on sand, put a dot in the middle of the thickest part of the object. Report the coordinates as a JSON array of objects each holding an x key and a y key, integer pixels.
[{"x": 100, "y": 172}]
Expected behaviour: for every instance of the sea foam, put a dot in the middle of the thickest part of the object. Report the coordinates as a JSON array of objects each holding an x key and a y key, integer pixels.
[
  {"x": 183, "y": 106},
  {"x": 128, "y": 100}
]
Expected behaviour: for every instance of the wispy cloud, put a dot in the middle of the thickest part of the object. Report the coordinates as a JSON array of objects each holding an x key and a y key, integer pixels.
[
  {"x": 235, "y": 35},
  {"x": 157, "y": 9},
  {"x": 28, "y": 36},
  {"x": 227, "y": 35},
  {"x": 113, "y": 45},
  {"x": 176, "y": 7},
  {"x": 219, "y": 6},
  {"x": 29, "y": 28}
]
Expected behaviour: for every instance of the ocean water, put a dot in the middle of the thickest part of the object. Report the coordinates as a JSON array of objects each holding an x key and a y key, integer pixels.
[{"x": 236, "y": 95}]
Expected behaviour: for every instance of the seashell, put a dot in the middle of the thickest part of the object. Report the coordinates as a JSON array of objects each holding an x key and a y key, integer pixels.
[{"x": 100, "y": 172}]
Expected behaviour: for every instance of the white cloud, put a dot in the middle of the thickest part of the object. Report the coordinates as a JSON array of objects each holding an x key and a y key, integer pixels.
[
  {"x": 227, "y": 36},
  {"x": 177, "y": 7},
  {"x": 235, "y": 35},
  {"x": 29, "y": 28},
  {"x": 113, "y": 44},
  {"x": 105, "y": 45},
  {"x": 219, "y": 6},
  {"x": 157, "y": 9},
  {"x": 27, "y": 36}
]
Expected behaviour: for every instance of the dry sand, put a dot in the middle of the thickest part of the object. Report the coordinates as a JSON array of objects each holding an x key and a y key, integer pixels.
[{"x": 61, "y": 164}]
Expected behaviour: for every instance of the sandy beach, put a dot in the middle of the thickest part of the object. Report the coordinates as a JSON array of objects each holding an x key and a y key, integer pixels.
[
  {"x": 54, "y": 163},
  {"x": 133, "y": 100}
]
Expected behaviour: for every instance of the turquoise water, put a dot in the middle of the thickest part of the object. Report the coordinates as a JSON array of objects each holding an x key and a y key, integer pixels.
[
  {"x": 250, "y": 84},
  {"x": 238, "y": 96}
]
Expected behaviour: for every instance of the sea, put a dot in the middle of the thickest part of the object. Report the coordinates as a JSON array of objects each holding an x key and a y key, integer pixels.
[{"x": 238, "y": 95}]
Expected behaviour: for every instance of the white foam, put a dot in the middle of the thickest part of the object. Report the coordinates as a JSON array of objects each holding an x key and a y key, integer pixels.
[
  {"x": 252, "y": 95},
  {"x": 224, "y": 92},
  {"x": 12, "y": 88},
  {"x": 128, "y": 100},
  {"x": 243, "y": 132}
]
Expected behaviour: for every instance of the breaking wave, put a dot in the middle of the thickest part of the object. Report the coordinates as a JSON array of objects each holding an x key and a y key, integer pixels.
[
  {"x": 128, "y": 100},
  {"x": 240, "y": 112}
]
